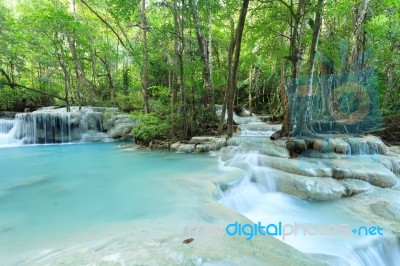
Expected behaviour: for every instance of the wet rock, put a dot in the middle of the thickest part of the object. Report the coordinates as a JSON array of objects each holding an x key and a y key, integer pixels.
[
  {"x": 108, "y": 121},
  {"x": 202, "y": 139},
  {"x": 186, "y": 148},
  {"x": 118, "y": 125},
  {"x": 220, "y": 143},
  {"x": 276, "y": 135},
  {"x": 387, "y": 210},
  {"x": 245, "y": 113},
  {"x": 174, "y": 146},
  {"x": 121, "y": 131},
  {"x": 332, "y": 145},
  {"x": 319, "y": 155},
  {"x": 159, "y": 145},
  {"x": 374, "y": 173},
  {"x": 340, "y": 146},
  {"x": 274, "y": 148},
  {"x": 354, "y": 186},
  {"x": 296, "y": 166},
  {"x": 315, "y": 188},
  {"x": 205, "y": 147},
  {"x": 296, "y": 147}
]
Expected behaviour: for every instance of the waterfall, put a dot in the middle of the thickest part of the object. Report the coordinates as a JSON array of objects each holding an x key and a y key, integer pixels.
[
  {"x": 379, "y": 253},
  {"x": 49, "y": 126},
  {"x": 5, "y": 128}
]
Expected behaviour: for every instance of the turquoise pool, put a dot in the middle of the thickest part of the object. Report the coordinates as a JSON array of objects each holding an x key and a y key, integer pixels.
[{"x": 53, "y": 197}]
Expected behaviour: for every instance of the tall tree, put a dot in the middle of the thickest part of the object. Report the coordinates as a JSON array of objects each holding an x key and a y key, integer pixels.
[
  {"x": 235, "y": 64},
  {"x": 204, "y": 57},
  {"x": 305, "y": 100},
  {"x": 145, "y": 64}
]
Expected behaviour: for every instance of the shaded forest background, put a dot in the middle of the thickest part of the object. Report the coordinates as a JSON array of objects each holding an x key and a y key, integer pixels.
[{"x": 169, "y": 62}]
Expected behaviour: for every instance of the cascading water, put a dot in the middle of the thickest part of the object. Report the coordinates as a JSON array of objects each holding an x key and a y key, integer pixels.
[
  {"x": 258, "y": 196},
  {"x": 5, "y": 127},
  {"x": 251, "y": 125},
  {"x": 49, "y": 125}
]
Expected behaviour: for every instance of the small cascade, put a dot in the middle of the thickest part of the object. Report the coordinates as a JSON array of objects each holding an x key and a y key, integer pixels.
[
  {"x": 379, "y": 253},
  {"x": 258, "y": 129},
  {"x": 274, "y": 189},
  {"x": 257, "y": 196},
  {"x": 49, "y": 125},
  {"x": 254, "y": 126},
  {"x": 250, "y": 125},
  {"x": 6, "y": 125}
]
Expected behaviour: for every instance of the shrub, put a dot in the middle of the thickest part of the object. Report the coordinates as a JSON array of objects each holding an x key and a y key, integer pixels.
[{"x": 149, "y": 127}]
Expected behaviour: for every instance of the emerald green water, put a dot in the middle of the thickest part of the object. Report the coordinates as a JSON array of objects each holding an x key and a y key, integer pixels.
[{"x": 57, "y": 196}]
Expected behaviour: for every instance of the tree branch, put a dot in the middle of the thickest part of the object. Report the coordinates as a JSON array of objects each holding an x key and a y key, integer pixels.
[{"x": 105, "y": 22}]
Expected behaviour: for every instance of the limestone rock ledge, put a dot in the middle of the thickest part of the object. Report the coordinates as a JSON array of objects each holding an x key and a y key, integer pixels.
[{"x": 199, "y": 144}]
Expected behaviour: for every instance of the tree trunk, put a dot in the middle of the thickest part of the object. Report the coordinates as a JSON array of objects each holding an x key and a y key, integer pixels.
[
  {"x": 250, "y": 87},
  {"x": 66, "y": 81},
  {"x": 305, "y": 108},
  {"x": 357, "y": 34},
  {"x": 204, "y": 58},
  {"x": 228, "y": 77},
  {"x": 210, "y": 55},
  {"x": 145, "y": 65},
  {"x": 326, "y": 73},
  {"x": 81, "y": 79},
  {"x": 284, "y": 96},
  {"x": 294, "y": 58},
  {"x": 175, "y": 73},
  {"x": 235, "y": 64},
  {"x": 109, "y": 76}
]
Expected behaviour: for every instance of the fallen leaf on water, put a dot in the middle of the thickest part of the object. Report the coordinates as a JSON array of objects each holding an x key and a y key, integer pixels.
[{"x": 187, "y": 241}]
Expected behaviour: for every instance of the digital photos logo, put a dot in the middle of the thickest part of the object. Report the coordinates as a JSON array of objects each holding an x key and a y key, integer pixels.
[{"x": 283, "y": 230}]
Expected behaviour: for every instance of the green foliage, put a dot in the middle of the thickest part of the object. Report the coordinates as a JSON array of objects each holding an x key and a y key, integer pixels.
[
  {"x": 37, "y": 39},
  {"x": 8, "y": 98},
  {"x": 149, "y": 127},
  {"x": 129, "y": 102}
]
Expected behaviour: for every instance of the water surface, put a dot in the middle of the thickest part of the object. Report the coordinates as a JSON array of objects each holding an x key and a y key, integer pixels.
[{"x": 52, "y": 194}]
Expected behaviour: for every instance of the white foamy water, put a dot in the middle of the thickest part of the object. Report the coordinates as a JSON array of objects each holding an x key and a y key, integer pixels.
[{"x": 257, "y": 198}]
